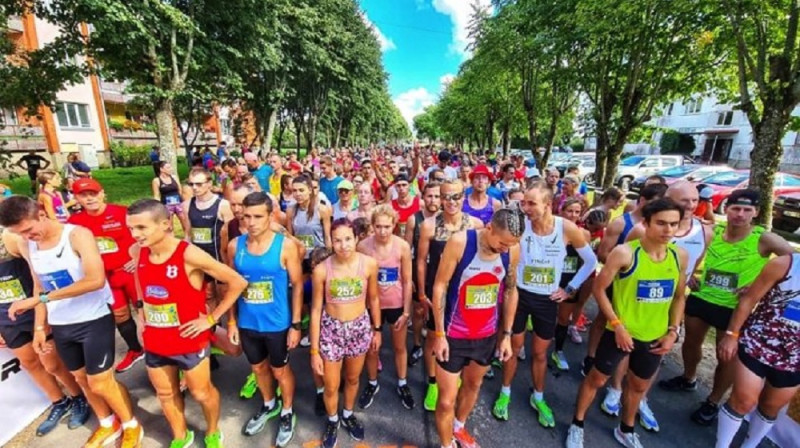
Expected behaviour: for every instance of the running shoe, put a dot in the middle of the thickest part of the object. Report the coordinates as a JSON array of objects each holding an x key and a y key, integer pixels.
[
  {"x": 489, "y": 374},
  {"x": 305, "y": 342},
  {"x": 464, "y": 439},
  {"x": 574, "y": 335},
  {"x": 354, "y": 427},
  {"x": 529, "y": 324},
  {"x": 104, "y": 436},
  {"x": 57, "y": 413},
  {"x": 130, "y": 358},
  {"x": 304, "y": 322},
  {"x": 286, "y": 426},
  {"x": 678, "y": 383},
  {"x": 500, "y": 409},
  {"x": 521, "y": 355},
  {"x": 559, "y": 360},
  {"x": 257, "y": 422},
  {"x": 431, "y": 397},
  {"x": 80, "y": 412},
  {"x": 586, "y": 365},
  {"x": 185, "y": 442},
  {"x": 330, "y": 436},
  {"x": 582, "y": 323},
  {"x": 627, "y": 439},
  {"x": 132, "y": 437},
  {"x": 214, "y": 440},
  {"x": 367, "y": 395},
  {"x": 496, "y": 362},
  {"x": 545, "y": 413},
  {"x": 706, "y": 413},
  {"x": 646, "y": 417},
  {"x": 405, "y": 396},
  {"x": 415, "y": 355},
  {"x": 611, "y": 404},
  {"x": 249, "y": 388},
  {"x": 575, "y": 437},
  {"x": 319, "y": 404}
]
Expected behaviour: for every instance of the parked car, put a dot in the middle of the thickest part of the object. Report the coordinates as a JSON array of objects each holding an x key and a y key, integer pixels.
[
  {"x": 691, "y": 172},
  {"x": 635, "y": 166},
  {"x": 724, "y": 183},
  {"x": 585, "y": 163},
  {"x": 786, "y": 212}
]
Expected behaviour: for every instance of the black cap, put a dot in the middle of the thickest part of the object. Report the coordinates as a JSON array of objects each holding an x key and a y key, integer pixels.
[
  {"x": 401, "y": 178},
  {"x": 444, "y": 156},
  {"x": 745, "y": 196}
]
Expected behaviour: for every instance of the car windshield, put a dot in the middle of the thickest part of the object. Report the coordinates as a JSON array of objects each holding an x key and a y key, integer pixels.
[
  {"x": 727, "y": 179},
  {"x": 702, "y": 173},
  {"x": 678, "y": 171},
  {"x": 632, "y": 161}
]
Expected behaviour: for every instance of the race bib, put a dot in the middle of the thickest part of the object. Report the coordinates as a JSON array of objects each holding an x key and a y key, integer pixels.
[
  {"x": 534, "y": 275},
  {"x": 388, "y": 276},
  {"x": 201, "y": 236},
  {"x": 172, "y": 200},
  {"x": 11, "y": 290},
  {"x": 402, "y": 227},
  {"x": 654, "y": 291},
  {"x": 725, "y": 281},
  {"x": 106, "y": 245},
  {"x": 161, "y": 316},
  {"x": 56, "y": 280},
  {"x": 570, "y": 265},
  {"x": 308, "y": 241},
  {"x": 481, "y": 297},
  {"x": 345, "y": 289},
  {"x": 258, "y": 293},
  {"x": 791, "y": 314}
]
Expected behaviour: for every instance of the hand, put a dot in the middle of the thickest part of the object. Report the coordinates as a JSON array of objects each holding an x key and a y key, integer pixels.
[
  {"x": 20, "y": 306},
  {"x": 664, "y": 344},
  {"x": 726, "y": 350},
  {"x": 233, "y": 334},
  {"x": 130, "y": 266},
  {"x": 559, "y": 296},
  {"x": 426, "y": 303},
  {"x": 623, "y": 339},
  {"x": 375, "y": 345},
  {"x": 292, "y": 338},
  {"x": 193, "y": 328},
  {"x": 441, "y": 349},
  {"x": 316, "y": 364},
  {"x": 2, "y": 342},
  {"x": 401, "y": 323},
  {"x": 504, "y": 348},
  {"x": 692, "y": 283},
  {"x": 40, "y": 344}
]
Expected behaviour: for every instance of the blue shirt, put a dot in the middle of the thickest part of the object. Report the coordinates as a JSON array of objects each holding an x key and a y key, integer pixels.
[
  {"x": 262, "y": 175},
  {"x": 492, "y": 192},
  {"x": 329, "y": 188},
  {"x": 265, "y": 305},
  {"x": 154, "y": 156}
]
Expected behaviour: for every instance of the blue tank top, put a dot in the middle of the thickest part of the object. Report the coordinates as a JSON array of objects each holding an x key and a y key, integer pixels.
[
  {"x": 625, "y": 230},
  {"x": 484, "y": 214},
  {"x": 265, "y": 305}
]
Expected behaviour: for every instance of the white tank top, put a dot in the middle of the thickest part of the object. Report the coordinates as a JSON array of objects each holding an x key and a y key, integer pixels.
[
  {"x": 693, "y": 242},
  {"x": 60, "y": 267},
  {"x": 541, "y": 259}
]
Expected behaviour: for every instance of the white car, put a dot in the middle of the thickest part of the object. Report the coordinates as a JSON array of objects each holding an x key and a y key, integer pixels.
[{"x": 634, "y": 166}]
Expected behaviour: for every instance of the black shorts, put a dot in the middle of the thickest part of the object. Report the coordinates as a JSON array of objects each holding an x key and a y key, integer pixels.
[
  {"x": 184, "y": 362},
  {"x": 258, "y": 346},
  {"x": 306, "y": 265},
  {"x": 390, "y": 315},
  {"x": 17, "y": 336},
  {"x": 87, "y": 344},
  {"x": 642, "y": 363},
  {"x": 543, "y": 313},
  {"x": 717, "y": 316},
  {"x": 464, "y": 351},
  {"x": 776, "y": 378}
]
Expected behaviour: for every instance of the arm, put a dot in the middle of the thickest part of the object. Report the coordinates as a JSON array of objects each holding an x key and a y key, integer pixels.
[
  {"x": 196, "y": 259},
  {"x": 409, "y": 236},
  {"x": 415, "y": 164},
  {"x": 226, "y": 215},
  {"x": 772, "y": 244},
  {"x": 676, "y": 308},
  {"x": 510, "y": 300},
  {"x": 325, "y": 213},
  {"x": 476, "y": 223},
  {"x": 450, "y": 258},
  {"x": 609, "y": 240},
  {"x": 290, "y": 220},
  {"x": 317, "y": 290},
  {"x": 94, "y": 277},
  {"x": 374, "y": 302},
  {"x": 156, "y": 190},
  {"x": 185, "y": 212},
  {"x": 709, "y": 216},
  {"x": 47, "y": 203},
  {"x": 232, "y": 328},
  {"x": 618, "y": 259},
  {"x": 408, "y": 288},
  {"x": 45, "y": 161},
  {"x": 292, "y": 263},
  {"x": 636, "y": 233},
  {"x": 423, "y": 247}
]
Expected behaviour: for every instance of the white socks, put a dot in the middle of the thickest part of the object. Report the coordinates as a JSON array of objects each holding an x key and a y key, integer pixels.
[
  {"x": 759, "y": 428},
  {"x": 727, "y": 426}
]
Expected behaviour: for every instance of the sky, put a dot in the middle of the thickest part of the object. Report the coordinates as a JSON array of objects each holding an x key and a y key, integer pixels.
[{"x": 423, "y": 43}]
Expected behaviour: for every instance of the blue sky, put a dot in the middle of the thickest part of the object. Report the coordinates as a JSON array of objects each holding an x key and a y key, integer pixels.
[{"x": 423, "y": 43}]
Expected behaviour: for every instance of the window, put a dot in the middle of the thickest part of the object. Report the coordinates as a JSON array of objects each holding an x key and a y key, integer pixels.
[
  {"x": 725, "y": 118},
  {"x": 668, "y": 162},
  {"x": 652, "y": 163},
  {"x": 73, "y": 115},
  {"x": 225, "y": 126},
  {"x": 8, "y": 117},
  {"x": 694, "y": 106}
]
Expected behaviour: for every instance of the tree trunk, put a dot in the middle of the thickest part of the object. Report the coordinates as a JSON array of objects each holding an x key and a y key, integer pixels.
[
  {"x": 611, "y": 162},
  {"x": 766, "y": 157},
  {"x": 532, "y": 138},
  {"x": 601, "y": 151},
  {"x": 311, "y": 133},
  {"x": 506, "y": 138},
  {"x": 338, "y": 133},
  {"x": 269, "y": 130},
  {"x": 165, "y": 121}
]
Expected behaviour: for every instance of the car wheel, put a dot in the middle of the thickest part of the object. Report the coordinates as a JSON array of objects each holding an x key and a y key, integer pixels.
[
  {"x": 589, "y": 179},
  {"x": 784, "y": 226},
  {"x": 625, "y": 183},
  {"x": 721, "y": 207}
]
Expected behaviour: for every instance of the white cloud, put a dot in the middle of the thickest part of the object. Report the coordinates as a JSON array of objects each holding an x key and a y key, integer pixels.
[
  {"x": 460, "y": 12},
  {"x": 412, "y": 102},
  {"x": 386, "y": 43},
  {"x": 445, "y": 80}
]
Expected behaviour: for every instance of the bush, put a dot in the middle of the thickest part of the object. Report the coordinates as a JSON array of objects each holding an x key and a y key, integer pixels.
[
  {"x": 126, "y": 155},
  {"x": 116, "y": 125}
]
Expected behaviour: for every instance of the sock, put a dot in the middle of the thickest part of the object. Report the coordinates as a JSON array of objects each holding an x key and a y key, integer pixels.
[
  {"x": 431, "y": 380},
  {"x": 132, "y": 423},
  {"x": 373, "y": 382},
  {"x": 561, "y": 336},
  {"x": 576, "y": 422},
  {"x": 728, "y": 425},
  {"x": 127, "y": 330},
  {"x": 346, "y": 413},
  {"x": 107, "y": 422},
  {"x": 333, "y": 418},
  {"x": 401, "y": 382},
  {"x": 320, "y": 390},
  {"x": 457, "y": 425},
  {"x": 505, "y": 390},
  {"x": 760, "y": 425},
  {"x": 269, "y": 404},
  {"x": 286, "y": 411},
  {"x": 625, "y": 428},
  {"x": 538, "y": 396},
  {"x": 63, "y": 400}
]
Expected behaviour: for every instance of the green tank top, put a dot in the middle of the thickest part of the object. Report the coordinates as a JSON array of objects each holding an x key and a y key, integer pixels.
[
  {"x": 730, "y": 266},
  {"x": 642, "y": 295}
]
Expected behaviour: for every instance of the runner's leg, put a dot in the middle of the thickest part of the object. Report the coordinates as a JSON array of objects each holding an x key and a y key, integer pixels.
[
  {"x": 198, "y": 380},
  {"x": 472, "y": 378},
  {"x": 692, "y": 349},
  {"x": 166, "y": 383},
  {"x": 39, "y": 373},
  {"x": 352, "y": 371},
  {"x": 332, "y": 377},
  {"x": 400, "y": 351},
  {"x": 445, "y": 406}
]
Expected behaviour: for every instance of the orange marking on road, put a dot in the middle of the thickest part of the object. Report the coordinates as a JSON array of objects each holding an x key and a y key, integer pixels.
[
  {"x": 363, "y": 445},
  {"x": 312, "y": 444}
]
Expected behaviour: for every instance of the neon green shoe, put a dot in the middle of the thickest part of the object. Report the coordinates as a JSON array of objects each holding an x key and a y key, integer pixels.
[
  {"x": 304, "y": 322},
  {"x": 500, "y": 410},
  {"x": 185, "y": 442},
  {"x": 545, "y": 413},
  {"x": 431, "y": 397},
  {"x": 250, "y": 387},
  {"x": 278, "y": 391},
  {"x": 529, "y": 325},
  {"x": 215, "y": 440}
]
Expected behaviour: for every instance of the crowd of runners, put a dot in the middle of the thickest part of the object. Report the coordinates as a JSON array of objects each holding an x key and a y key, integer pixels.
[{"x": 329, "y": 256}]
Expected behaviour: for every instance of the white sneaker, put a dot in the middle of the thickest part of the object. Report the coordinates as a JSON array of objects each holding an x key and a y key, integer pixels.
[
  {"x": 305, "y": 342},
  {"x": 628, "y": 440},
  {"x": 646, "y": 417},
  {"x": 574, "y": 335},
  {"x": 521, "y": 354},
  {"x": 575, "y": 437},
  {"x": 611, "y": 404}
]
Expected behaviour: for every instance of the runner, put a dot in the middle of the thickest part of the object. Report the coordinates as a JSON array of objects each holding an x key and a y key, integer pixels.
[
  {"x": 405, "y": 205},
  {"x": 393, "y": 256},
  {"x": 207, "y": 215},
  {"x": 33, "y": 163},
  {"x": 50, "y": 198},
  {"x": 268, "y": 319},
  {"x": 309, "y": 220},
  {"x": 543, "y": 251},
  {"x": 643, "y": 315},
  {"x": 478, "y": 203},
  {"x": 71, "y": 295},
  {"x": 170, "y": 276},
  {"x": 329, "y": 181},
  {"x": 509, "y": 180},
  {"x": 433, "y": 236},
  {"x": 347, "y": 203},
  {"x": 737, "y": 253},
  {"x": 768, "y": 351},
  {"x": 107, "y": 224},
  {"x": 366, "y": 202},
  {"x": 466, "y": 302},
  {"x": 341, "y": 329}
]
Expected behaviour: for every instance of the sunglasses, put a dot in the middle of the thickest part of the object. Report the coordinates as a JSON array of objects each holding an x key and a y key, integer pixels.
[
  {"x": 196, "y": 184},
  {"x": 453, "y": 197}
]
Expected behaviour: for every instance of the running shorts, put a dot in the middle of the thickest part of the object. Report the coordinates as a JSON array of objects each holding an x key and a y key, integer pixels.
[
  {"x": 86, "y": 344},
  {"x": 464, "y": 351},
  {"x": 542, "y": 311},
  {"x": 260, "y": 345},
  {"x": 776, "y": 378},
  {"x": 642, "y": 363},
  {"x": 339, "y": 340},
  {"x": 184, "y": 362},
  {"x": 717, "y": 316}
]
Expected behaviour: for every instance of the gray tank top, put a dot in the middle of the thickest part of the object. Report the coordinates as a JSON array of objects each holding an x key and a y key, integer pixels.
[{"x": 308, "y": 230}]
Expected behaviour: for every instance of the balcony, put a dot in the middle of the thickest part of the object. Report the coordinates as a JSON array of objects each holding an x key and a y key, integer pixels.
[
  {"x": 14, "y": 25},
  {"x": 22, "y": 138}
]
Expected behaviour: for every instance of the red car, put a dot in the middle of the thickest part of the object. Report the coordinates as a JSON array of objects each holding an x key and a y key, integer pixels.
[{"x": 724, "y": 183}]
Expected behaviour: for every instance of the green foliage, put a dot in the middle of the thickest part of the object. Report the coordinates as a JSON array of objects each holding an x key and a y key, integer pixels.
[
  {"x": 673, "y": 142},
  {"x": 577, "y": 144},
  {"x": 130, "y": 155}
]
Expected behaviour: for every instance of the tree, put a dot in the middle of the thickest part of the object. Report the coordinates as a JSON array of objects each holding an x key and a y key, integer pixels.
[{"x": 426, "y": 126}]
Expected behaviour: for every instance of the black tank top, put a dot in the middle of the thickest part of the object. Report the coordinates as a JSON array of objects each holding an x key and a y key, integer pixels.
[
  {"x": 15, "y": 284},
  {"x": 206, "y": 227},
  {"x": 170, "y": 193},
  {"x": 440, "y": 237}
]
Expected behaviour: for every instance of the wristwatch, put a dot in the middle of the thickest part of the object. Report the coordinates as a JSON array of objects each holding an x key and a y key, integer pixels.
[
  {"x": 139, "y": 304},
  {"x": 296, "y": 326},
  {"x": 377, "y": 329},
  {"x": 569, "y": 290},
  {"x": 43, "y": 297}
]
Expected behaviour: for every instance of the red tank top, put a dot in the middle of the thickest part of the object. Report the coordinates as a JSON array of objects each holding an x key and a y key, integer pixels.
[
  {"x": 170, "y": 301},
  {"x": 405, "y": 213},
  {"x": 110, "y": 233}
]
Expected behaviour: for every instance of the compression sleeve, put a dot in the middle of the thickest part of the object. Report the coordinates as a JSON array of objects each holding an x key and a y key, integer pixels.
[{"x": 589, "y": 264}]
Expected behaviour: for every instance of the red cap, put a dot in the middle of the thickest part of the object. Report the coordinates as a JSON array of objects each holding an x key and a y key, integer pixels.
[
  {"x": 86, "y": 184},
  {"x": 482, "y": 169},
  {"x": 295, "y": 166}
]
